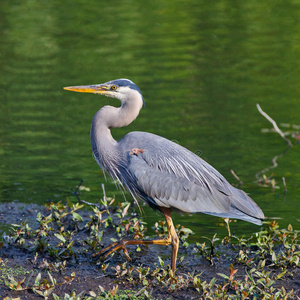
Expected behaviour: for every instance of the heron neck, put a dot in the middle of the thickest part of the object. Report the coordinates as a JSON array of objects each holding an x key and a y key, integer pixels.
[
  {"x": 101, "y": 139},
  {"x": 104, "y": 146}
]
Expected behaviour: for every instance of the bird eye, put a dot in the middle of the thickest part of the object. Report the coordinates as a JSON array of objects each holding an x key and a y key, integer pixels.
[{"x": 114, "y": 87}]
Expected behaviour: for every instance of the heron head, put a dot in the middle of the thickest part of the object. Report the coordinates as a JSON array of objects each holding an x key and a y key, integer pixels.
[{"x": 122, "y": 89}]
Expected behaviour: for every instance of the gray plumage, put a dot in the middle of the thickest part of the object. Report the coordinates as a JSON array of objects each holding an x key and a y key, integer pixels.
[
  {"x": 166, "y": 174},
  {"x": 162, "y": 173}
]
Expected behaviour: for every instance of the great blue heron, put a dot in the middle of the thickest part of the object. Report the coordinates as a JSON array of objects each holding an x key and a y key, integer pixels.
[{"x": 164, "y": 174}]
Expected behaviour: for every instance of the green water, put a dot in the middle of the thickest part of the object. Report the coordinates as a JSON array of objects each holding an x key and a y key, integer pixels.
[{"x": 202, "y": 67}]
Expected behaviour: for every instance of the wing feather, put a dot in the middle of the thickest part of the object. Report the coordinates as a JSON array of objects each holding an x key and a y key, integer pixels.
[{"x": 167, "y": 174}]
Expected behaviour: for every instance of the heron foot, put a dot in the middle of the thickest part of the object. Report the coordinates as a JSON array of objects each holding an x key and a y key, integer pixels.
[
  {"x": 117, "y": 246},
  {"x": 136, "y": 151}
]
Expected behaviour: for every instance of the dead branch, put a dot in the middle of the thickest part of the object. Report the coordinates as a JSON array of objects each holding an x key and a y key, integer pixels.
[
  {"x": 274, "y": 125},
  {"x": 284, "y": 184},
  {"x": 274, "y": 161},
  {"x": 236, "y": 177}
]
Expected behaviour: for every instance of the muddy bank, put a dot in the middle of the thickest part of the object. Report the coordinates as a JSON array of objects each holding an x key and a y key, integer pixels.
[{"x": 51, "y": 251}]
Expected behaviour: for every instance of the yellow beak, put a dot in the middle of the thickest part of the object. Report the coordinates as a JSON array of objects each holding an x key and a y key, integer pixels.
[{"x": 95, "y": 89}]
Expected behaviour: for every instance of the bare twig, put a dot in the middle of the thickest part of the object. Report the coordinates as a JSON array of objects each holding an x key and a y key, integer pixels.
[
  {"x": 89, "y": 203},
  {"x": 105, "y": 200},
  {"x": 104, "y": 193},
  {"x": 77, "y": 193},
  {"x": 284, "y": 185},
  {"x": 274, "y": 161},
  {"x": 236, "y": 177},
  {"x": 226, "y": 220},
  {"x": 284, "y": 188},
  {"x": 274, "y": 125}
]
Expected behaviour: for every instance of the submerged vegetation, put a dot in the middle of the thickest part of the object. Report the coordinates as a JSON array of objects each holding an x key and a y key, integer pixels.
[{"x": 59, "y": 254}]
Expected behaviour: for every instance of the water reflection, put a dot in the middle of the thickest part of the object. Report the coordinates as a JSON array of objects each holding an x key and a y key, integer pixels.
[{"x": 202, "y": 67}]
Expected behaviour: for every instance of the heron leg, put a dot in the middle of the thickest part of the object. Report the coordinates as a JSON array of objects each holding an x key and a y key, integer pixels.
[{"x": 172, "y": 238}]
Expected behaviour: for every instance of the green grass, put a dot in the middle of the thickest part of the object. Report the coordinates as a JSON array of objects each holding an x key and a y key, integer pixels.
[{"x": 258, "y": 265}]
